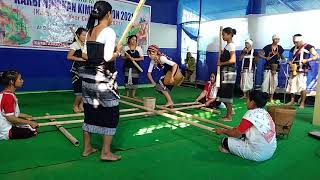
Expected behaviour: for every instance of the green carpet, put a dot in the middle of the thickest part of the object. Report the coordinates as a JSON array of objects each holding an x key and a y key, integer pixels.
[{"x": 152, "y": 147}]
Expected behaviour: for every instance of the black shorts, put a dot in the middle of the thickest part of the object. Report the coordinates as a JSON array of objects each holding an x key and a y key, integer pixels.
[{"x": 21, "y": 133}]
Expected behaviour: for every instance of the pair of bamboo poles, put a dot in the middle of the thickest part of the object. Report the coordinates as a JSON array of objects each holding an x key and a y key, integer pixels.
[
  {"x": 163, "y": 112},
  {"x": 66, "y": 133},
  {"x": 149, "y": 111}
]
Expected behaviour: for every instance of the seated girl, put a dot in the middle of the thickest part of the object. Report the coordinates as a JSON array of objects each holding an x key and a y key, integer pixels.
[
  {"x": 209, "y": 94},
  {"x": 13, "y": 124},
  {"x": 255, "y": 137}
]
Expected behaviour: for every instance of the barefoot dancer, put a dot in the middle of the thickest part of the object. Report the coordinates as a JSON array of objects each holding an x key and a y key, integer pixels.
[
  {"x": 271, "y": 53},
  {"x": 75, "y": 55},
  {"x": 249, "y": 59},
  {"x": 228, "y": 72},
  {"x": 161, "y": 62},
  {"x": 99, "y": 86},
  {"x": 303, "y": 53},
  {"x": 132, "y": 52}
]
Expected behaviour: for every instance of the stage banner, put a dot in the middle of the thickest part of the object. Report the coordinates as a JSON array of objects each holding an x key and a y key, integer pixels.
[{"x": 45, "y": 24}]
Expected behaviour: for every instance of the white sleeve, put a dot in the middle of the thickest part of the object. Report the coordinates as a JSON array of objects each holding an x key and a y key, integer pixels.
[
  {"x": 108, "y": 37},
  {"x": 248, "y": 115},
  {"x": 139, "y": 49},
  {"x": 125, "y": 49},
  {"x": 215, "y": 92},
  {"x": 151, "y": 65},
  {"x": 74, "y": 46},
  {"x": 165, "y": 60},
  {"x": 84, "y": 50},
  {"x": 231, "y": 47}
]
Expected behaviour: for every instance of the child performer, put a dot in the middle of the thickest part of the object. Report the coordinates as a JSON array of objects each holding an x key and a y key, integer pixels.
[
  {"x": 209, "y": 94},
  {"x": 75, "y": 55}
]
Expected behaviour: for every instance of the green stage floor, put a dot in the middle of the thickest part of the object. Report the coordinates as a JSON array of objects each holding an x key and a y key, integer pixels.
[{"x": 152, "y": 147}]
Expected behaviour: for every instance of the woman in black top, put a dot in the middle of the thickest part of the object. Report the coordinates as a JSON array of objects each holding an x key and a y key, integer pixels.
[
  {"x": 131, "y": 52},
  {"x": 228, "y": 72},
  {"x": 99, "y": 85}
]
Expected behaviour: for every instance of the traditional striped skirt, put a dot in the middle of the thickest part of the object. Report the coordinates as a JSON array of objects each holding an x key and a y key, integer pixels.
[
  {"x": 101, "y": 100},
  {"x": 228, "y": 77},
  {"x": 76, "y": 84},
  {"x": 131, "y": 76}
]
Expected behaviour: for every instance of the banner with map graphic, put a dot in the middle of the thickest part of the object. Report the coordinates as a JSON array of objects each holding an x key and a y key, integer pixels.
[{"x": 45, "y": 24}]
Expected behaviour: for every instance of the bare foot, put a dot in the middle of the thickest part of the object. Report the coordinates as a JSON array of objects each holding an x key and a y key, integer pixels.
[
  {"x": 226, "y": 119},
  {"x": 233, "y": 112},
  {"x": 291, "y": 103},
  {"x": 301, "y": 106},
  {"x": 222, "y": 149},
  {"x": 168, "y": 104},
  {"x": 243, "y": 97},
  {"x": 109, "y": 157},
  {"x": 88, "y": 152},
  {"x": 81, "y": 108},
  {"x": 76, "y": 109}
]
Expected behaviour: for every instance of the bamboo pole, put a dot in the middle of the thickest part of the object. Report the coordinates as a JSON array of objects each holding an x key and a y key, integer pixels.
[
  {"x": 81, "y": 120},
  {"x": 202, "y": 108},
  {"x": 181, "y": 108},
  {"x": 132, "y": 99},
  {"x": 170, "y": 116},
  {"x": 66, "y": 133},
  {"x": 133, "y": 19},
  {"x": 190, "y": 107},
  {"x": 75, "y": 115},
  {"x": 186, "y": 104},
  {"x": 196, "y": 105},
  {"x": 210, "y": 110},
  {"x": 135, "y": 63},
  {"x": 76, "y": 38},
  {"x": 187, "y": 115},
  {"x": 195, "y": 117},
  {"x": 219, "y": 56},
  {"x": 60, "y": 123}
]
